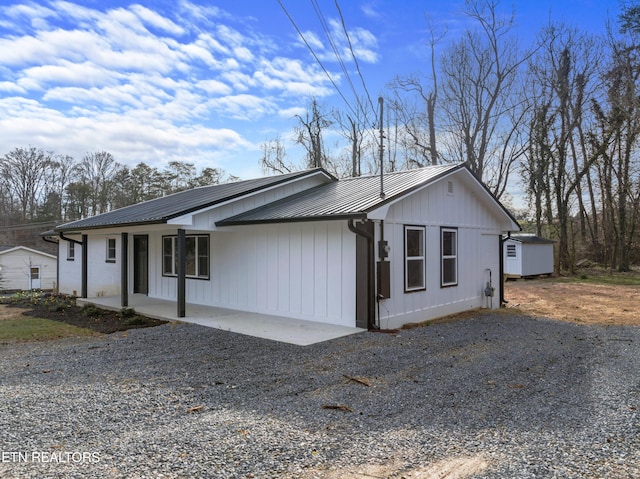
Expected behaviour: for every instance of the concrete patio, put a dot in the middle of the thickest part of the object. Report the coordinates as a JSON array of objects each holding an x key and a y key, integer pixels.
[{"x": 276, "y": 328}]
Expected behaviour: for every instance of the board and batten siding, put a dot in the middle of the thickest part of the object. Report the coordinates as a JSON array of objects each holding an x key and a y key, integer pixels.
[
  {"x": 206, "y": 220},
  {"x": 478, "y": 252},
  {"x": 298, "y": 270}
]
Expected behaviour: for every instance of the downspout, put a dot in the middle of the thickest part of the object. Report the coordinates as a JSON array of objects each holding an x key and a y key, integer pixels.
[
  {"x": 501, "y": 242},
  {"x": 371, "y": 309},
  {"x": 85, "y": 266}
]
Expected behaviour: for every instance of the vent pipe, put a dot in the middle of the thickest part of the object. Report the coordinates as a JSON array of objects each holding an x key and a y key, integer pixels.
[{"x": 382, "y": 195}]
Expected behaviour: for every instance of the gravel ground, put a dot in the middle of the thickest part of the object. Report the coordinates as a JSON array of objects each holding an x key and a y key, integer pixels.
[{"x": 532, "y": 398}]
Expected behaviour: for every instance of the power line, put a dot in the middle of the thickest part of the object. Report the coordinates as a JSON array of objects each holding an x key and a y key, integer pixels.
[
  {"x": 315, "y": 56},
  {"x": 355, "y": 59}
]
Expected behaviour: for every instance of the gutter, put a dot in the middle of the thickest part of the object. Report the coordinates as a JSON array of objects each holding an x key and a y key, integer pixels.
[
  {"x": 371, "y": 310},
  {"x": 66, "y": 238}
]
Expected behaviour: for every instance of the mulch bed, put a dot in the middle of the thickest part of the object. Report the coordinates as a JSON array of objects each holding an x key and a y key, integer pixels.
[{"x": 63, "y": 308}]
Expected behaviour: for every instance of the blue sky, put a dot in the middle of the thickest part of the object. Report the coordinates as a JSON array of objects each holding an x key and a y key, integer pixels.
[{"x": 208, "y": 81}]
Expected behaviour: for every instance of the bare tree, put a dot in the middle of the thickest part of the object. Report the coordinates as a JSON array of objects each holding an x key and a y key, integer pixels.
[
  {"x": 274, "y": 156},
  {"x": 563, "y": 82},
  {"x": 24, "y": 174},
  {"x": 480, "y": 96},
  {"x": 309, "y": 135},
  {"x": 96, "y": 171}
]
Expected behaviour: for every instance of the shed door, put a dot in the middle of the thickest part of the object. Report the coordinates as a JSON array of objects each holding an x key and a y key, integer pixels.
[
  {"x": 34, "y": 277},
  {"x": 141, "y": 264}
]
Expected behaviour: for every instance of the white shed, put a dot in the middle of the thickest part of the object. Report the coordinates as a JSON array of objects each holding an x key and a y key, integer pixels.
[
  {"x": 527, "y": 255},
  {"x": 23, "y": 268}
]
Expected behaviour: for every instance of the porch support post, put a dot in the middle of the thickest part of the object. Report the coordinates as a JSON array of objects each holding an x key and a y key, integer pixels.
[
  {"x": 124, "y": 270},
  {"x": 85, "y": 263},
  {"x": 182, "y": 266}
]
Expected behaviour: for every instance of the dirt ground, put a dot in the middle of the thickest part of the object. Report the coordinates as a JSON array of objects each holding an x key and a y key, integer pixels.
[{"x": 577, "y": 302}]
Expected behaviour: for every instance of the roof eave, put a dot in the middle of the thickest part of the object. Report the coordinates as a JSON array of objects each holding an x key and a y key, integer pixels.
[{"x": 295, "y": 219}]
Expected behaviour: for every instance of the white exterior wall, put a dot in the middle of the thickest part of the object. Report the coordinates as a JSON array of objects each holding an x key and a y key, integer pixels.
[
  {"x": 16, "y": 265},
  {"x": 537, "y": 259},
  {"x": 103, "y": 278},
  {"x": 513, "y": 265},
  {"x": 478, "y": 252},
  {"x": 299, "y": 270},
  {"x": 70, "y": 271}
]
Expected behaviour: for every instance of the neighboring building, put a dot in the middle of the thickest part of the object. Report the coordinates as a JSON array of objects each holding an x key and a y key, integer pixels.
[
  {"x": 23, "y": 268},
  {"x": 302, "y": 245},
  {"x": 527, "y": 255}
]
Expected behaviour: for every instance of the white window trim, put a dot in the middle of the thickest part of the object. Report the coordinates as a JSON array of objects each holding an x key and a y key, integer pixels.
[
  {"x": 109, "y": 257},
  {"x": 444, "y": 257},
  {"x": 408, "y": 258}
]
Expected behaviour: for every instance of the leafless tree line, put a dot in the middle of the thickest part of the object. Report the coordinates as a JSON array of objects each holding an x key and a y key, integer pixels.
[
  {"x": 558, "y": 120},
  {"x": 37, "y": 186}
]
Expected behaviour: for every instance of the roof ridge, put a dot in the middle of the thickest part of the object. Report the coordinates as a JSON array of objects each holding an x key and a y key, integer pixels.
[{"x": 398, "y": 172}]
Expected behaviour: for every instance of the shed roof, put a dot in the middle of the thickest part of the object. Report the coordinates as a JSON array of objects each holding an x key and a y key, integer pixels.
[
  {"x": 160, "y": 210},
  {"x": 530, "y": 239},
  {"x": 9, "y": 249}
]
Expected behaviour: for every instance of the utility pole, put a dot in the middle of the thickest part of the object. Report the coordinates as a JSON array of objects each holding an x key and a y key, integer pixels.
[{"x": 382, "y": 195}]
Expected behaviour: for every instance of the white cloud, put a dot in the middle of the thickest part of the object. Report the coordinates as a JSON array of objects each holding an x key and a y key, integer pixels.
[
  {"x": 152, "y": 18},
  {"x": 147, "y": 85}
]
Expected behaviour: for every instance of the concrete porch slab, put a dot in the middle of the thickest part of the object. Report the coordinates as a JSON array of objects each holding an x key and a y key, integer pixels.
[{"x": 276, "y": 328}]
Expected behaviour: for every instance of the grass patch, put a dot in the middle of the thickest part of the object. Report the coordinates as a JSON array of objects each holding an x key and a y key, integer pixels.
[
  {"x": 37, "y": 329},
  {"x": 607, "y": 277}
]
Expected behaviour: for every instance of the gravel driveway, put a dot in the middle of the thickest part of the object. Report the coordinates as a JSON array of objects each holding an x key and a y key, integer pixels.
[{"x": 512, "y": 396}]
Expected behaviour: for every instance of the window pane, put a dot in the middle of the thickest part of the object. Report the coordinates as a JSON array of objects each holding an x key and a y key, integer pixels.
[
  {"x": 415, "y": 273},
  {"x": 190, "y": 255},
  {"x": 203, "y": 266},
  {"x": 203, "y": 256},
  {"x": 167, "y": 255},
  {"x": 449, "y": 271},
  {"x": 415, "y": 242},
  {"x": 448, "y": 243},
  {"x": 111, "y": 249}
]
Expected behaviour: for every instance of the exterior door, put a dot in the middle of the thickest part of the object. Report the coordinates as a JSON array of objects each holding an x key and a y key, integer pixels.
[
  {"x": 141, "y": 264},
  {"x": 34, "y": 277}
]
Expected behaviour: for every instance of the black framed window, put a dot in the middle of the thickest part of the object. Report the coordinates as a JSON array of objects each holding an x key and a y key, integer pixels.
[
  {"x": 449, "y": 256},
  {"x": 414, "y": 259},
  {"x": 196, "y": 256},
  {"x": 111, "y": 250},
  {"x": 71, "y": 251}
]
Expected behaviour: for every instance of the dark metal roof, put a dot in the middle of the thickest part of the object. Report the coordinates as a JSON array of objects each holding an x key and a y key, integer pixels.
[
  {"x": 530, "y": 239},
  {"x": 347, "y": 198},
  {"x": 160, "y": 210}
]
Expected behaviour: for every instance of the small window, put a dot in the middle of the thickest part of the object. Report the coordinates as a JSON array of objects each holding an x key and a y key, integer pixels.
[
  {"x": 196, "y": 256},
  {"x": 35, "y": 273},
  {"x": 414, "y": 262},
  {"x": 449, "y": 260},
  {"x": 111, "y": 250},
  {"x": 511, "y": 251},
  {"x": 450, "y": 188},
  {"x": 71, "y": 251}
]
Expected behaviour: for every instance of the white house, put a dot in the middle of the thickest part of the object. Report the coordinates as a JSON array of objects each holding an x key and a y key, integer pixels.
[
  {"x": 362, "y": 251},
  {"x": 527, "y": 255},
  {"x": 23, "y": 268}
]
